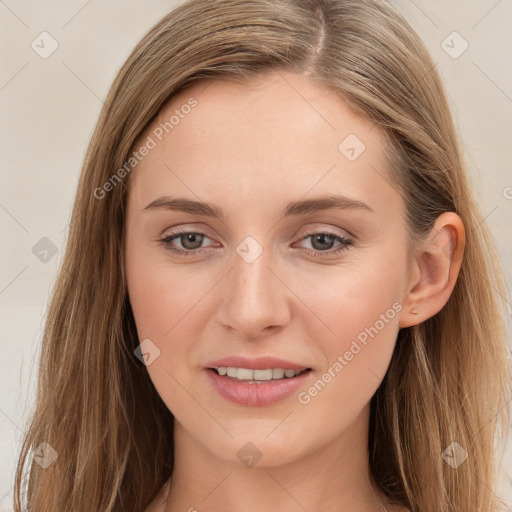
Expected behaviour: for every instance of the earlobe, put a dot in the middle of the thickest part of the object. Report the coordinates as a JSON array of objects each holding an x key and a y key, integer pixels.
[{"x": 437, "y": 264}]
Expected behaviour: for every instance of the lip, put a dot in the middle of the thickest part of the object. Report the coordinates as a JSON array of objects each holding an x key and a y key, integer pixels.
[
  {"x": 256, "y": 394},
  {"x": 259, "y": 363}
]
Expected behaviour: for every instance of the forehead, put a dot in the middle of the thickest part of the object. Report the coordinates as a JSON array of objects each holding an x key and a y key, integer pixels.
[{"x": 277, "y": 135}]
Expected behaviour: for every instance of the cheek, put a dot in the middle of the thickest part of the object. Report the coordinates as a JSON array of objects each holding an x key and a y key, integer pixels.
[
  {"x": 359, "y": 307},
  {"x": 350, "y": 298},
  {"x": 357, "y": 359},
  {"x": 170, "y": 307},
  {"x": 166, "y": 304},
  {"x": 162, "y": 296}
]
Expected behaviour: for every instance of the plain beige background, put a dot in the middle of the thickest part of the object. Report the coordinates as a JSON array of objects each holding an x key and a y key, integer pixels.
[{"x": 49, "y": 107}]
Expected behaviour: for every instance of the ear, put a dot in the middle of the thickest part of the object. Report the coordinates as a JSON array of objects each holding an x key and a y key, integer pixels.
[{"x": 434, "y": 270}]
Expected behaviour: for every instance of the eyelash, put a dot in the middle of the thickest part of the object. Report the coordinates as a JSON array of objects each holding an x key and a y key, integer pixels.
[{"x": 345, "y": 243}]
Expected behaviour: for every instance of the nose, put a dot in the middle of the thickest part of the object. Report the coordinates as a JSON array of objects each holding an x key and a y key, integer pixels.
[{"x": 256, "y": 300}]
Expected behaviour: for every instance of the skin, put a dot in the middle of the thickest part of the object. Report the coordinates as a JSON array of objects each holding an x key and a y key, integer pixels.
[{"x": 250, "y": 149}]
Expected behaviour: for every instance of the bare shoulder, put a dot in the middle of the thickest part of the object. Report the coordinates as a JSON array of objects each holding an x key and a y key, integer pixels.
[
  {"x": 397, "y": 508},
  {"x": 157, "y": 505}
]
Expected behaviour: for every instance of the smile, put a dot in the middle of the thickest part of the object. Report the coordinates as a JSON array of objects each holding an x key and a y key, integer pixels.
[
  {"x": 257, "y": 388},
  {"x": 257, "y": 376}
]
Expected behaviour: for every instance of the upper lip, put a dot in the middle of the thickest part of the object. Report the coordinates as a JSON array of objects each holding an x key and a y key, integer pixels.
[{"x": 259, "y": 363}]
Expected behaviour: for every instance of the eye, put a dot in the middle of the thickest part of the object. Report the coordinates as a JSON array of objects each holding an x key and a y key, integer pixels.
[
  {"x": 322, "y": 241},
  {"x": 191, "y": 242}
]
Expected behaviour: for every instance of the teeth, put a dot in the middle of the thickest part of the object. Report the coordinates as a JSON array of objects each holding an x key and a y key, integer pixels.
[
  {"x": 243, "y": 374},
  {"x": 257, "y": 375},
  {"x": 277, "y": 373}
]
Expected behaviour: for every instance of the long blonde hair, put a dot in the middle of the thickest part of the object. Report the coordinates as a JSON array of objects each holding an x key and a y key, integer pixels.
[{"x": 448, "y": 379}]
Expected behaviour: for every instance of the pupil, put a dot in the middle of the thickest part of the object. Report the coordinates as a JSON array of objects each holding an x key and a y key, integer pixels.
[
  {"x": 322, "y": 238},
  {"x": 190, "y": 237}
]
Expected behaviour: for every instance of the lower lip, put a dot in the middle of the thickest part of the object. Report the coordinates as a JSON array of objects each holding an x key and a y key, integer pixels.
[{"x": 255, "y": 394}]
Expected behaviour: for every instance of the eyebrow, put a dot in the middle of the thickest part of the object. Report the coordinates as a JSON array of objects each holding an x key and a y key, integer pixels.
[{"x": 293, "y": 208}]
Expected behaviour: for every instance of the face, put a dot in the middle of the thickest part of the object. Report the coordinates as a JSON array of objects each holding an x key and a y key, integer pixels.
[{"x": 266, "y": 271}]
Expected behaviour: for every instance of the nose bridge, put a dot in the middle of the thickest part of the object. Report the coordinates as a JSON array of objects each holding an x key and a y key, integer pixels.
[
  {"x": 255, "y": 299},
  {"x": 252, "y": 277}
]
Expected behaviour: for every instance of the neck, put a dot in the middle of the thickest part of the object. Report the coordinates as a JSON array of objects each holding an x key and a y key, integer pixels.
[{"x": 330, "y": 478}]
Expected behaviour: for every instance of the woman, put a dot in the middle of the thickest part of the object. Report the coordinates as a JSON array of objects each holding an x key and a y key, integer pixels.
[{"x": 278, "y": 290}]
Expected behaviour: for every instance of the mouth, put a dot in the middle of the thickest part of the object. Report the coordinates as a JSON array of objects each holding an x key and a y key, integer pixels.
[
  {"x": 257, "y": 376},
  {"x": 256, "y": 387}
]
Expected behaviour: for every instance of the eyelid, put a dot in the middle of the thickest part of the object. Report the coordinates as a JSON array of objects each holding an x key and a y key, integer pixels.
[
  {"x": 334, "y": 231},
  {"x": 191, "y": 228}
]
